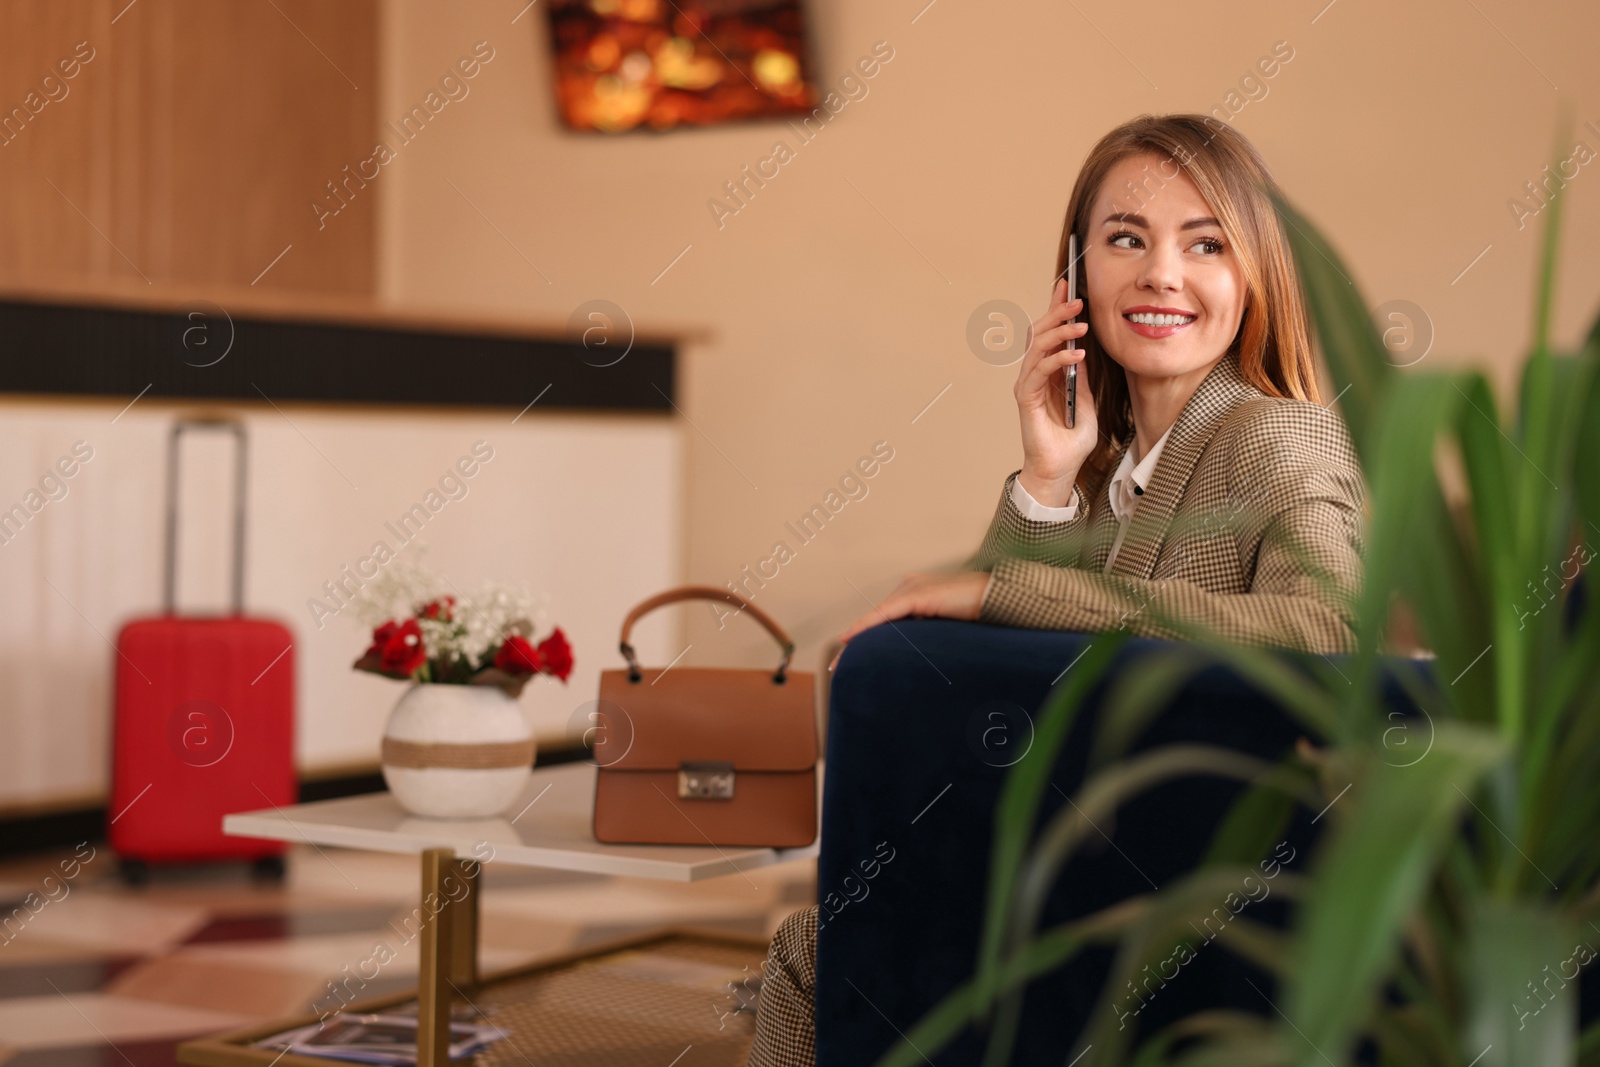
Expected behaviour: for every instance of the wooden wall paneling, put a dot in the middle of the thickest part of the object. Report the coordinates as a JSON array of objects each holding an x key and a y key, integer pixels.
[
  {"x": 261, "y": 125},
  {"x": 188, "y": 150},
  {"x": 135, "y": 135},
  {"x": 44, "y": 140}
]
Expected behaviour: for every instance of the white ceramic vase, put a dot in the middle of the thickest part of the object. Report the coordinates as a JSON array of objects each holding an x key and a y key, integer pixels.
[{"x": 456, "y": 751}]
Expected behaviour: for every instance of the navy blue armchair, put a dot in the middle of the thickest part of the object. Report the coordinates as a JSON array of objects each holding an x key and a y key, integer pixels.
[{"x": 925, "y": 717}]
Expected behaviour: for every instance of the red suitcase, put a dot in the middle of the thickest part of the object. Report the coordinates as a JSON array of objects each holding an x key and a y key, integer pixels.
[{"x": 204, "y": 715}]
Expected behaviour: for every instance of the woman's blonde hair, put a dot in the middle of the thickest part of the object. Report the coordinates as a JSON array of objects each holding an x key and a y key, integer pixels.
[{"x": 1273, "y": 345}]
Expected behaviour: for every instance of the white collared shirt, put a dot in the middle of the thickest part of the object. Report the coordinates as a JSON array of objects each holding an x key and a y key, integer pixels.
[{"x": 1126, "y": 487}]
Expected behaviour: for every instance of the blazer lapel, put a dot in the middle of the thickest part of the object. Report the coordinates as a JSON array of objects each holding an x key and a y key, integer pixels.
[
  {"x": 1102, "y": 523},
  {"x": 1219, "y": 393}
]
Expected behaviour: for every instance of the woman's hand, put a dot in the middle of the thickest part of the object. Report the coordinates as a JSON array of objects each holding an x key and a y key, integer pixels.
[
  {"x": 1052, "y": 454},
  {"x": 945, "y": 596}
]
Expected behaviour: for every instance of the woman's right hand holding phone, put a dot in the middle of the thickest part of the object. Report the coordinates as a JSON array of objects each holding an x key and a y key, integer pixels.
[{"x": 1052, "y": 454}]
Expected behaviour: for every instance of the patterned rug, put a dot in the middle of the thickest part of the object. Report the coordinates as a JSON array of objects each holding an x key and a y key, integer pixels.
[{"x": 95, "y": 974}]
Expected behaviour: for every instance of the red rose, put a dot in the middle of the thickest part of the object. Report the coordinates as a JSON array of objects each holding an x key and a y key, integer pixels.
[
  {"x": 443, "y": 608},
  {"x": 380, "y": 637},
  {"x": 556, "y": 655},
  {"x": 517, "y": 656},
  {"x": 401, "y": 647}
]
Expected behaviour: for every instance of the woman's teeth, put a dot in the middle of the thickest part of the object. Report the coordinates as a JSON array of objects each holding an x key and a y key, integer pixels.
[{"x": 1147, "y": 318}]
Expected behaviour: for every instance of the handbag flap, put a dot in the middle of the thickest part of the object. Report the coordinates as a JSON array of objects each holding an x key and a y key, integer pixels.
[{"x": 705, "y": 714}]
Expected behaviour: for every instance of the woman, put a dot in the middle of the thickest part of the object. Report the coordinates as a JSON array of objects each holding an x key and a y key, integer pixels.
[{"x": 1204, "y": 487}]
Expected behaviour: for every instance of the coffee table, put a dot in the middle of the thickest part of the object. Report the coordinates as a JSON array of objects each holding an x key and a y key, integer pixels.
[{"x": 548, "y": 826}]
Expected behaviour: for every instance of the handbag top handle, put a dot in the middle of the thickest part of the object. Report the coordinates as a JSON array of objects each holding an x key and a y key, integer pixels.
[{"x": 703, "y": 592}]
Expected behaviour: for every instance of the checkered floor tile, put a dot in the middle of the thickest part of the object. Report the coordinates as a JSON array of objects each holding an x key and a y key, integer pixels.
[{"x": 103, "y": 975}]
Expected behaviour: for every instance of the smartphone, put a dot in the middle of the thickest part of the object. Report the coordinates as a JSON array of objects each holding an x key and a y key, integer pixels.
[{"x": 1072, "y": 345}]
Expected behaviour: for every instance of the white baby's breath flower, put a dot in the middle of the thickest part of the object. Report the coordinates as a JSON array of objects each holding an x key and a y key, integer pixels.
[
  {"x": 483, "y": 617},
  {"x": 439, "y": 638},
  {"x": 395, "y": 592}
]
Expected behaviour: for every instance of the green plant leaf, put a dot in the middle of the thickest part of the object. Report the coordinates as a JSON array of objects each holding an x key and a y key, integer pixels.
[
  {"x": 1589, "y": 1046},
  {"x": 968, "y": 1003},
  {"x": 1209, "y": 905},
  {"x": 1357, "y": 361},
  {"x": 1406, "y": 1040},
  {"x": 1135, "y": 698},
  {"x": 1242, "y": 1033},
  {"x": 1279, "y": 674},
  {"x": 1524, "y": 1012},
  {"x": 1564, "y": 814},
  {"x": 1500, "y": 527},
  {"x": 1245, "y": 1051},
  {"x": 1256, "y": 820},
  {"x": 1369, "y": 880},
  {"x": 1587, "y": 475},
  {"x": 1545, "y": 294},
  {"x": 1097, "y": 801},
  {"x": 1413, "y": 547},
  {"x": 1099, "y": 798}
]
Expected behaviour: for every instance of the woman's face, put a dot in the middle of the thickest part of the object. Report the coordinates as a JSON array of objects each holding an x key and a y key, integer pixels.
[{"x": 1154, "y": 251}]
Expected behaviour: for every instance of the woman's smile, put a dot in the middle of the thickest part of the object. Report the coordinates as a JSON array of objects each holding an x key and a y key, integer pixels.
[{"x": 1147, "y": 321}]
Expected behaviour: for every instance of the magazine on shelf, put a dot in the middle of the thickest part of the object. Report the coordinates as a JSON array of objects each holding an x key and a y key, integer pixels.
[{"x": 385, "y": 1039}]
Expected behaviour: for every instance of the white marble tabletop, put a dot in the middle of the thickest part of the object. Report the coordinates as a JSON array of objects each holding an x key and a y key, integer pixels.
[{"x": 548, "y": 826}]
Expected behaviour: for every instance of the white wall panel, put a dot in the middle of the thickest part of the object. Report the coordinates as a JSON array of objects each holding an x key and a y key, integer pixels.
[{"x": 583, "y": 509}]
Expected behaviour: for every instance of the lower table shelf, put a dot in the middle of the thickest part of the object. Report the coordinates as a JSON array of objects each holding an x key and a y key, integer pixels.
[
  {"x": 644, "y": 1000},
  {"x": 571, "y": 1001}
]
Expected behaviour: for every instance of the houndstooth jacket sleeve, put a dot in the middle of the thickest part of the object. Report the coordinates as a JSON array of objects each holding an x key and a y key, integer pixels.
[
  {"x": 1253, "y": 535},
  {"x": 1011, "y": 535}
]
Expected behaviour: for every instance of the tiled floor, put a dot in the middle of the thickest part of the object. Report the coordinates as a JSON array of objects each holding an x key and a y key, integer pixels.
[{"x": 95, "y": 974}]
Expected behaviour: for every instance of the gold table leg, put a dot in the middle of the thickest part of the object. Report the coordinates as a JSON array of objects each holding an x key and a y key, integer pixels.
[
  {"x": 464, "y": 932},
  {"x": 449, "y": 948}
]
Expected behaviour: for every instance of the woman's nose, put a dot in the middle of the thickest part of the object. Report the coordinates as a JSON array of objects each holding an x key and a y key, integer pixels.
[{"x": 1162, "y": 269}]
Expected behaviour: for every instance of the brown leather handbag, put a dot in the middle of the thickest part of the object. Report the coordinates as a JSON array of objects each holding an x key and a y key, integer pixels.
[{"x": 705, "y": 755}]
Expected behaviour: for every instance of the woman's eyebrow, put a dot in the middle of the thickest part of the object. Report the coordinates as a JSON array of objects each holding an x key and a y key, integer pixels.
[{"x": 1133, "y": 218}]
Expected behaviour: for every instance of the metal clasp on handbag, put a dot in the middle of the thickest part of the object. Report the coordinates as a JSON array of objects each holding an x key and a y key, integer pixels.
[{"x": 705, "y": 781}]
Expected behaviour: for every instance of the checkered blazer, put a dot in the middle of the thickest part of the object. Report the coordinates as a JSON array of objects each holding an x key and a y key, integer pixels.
[
  {"x": 786, "y": 1033},
  {"x": 1250, "y": 529}
]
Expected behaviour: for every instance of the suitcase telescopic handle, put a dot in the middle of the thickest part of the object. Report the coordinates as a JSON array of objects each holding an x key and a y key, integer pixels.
[{"x": 179, "y": 428}]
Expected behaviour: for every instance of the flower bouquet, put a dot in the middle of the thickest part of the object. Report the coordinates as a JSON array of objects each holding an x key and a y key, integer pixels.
[
  {"x": 456, "y": 744},
  {"x": 486, "y": 640}
]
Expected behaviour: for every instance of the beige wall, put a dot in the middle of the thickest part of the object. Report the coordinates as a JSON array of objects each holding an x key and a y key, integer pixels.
[
  {"x": 837, "y": 299},
  {"x": 819, "y": 320}
]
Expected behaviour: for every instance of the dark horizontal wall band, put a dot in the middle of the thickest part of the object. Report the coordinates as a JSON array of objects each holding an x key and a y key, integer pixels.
[{"x": 207, "y": 354}]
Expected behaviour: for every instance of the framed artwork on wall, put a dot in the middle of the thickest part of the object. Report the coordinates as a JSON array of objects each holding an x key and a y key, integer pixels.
[{"x": 623, "y": 65}]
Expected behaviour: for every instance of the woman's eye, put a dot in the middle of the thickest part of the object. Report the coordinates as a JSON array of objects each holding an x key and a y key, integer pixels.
[{"x": 1208, "y": 245}]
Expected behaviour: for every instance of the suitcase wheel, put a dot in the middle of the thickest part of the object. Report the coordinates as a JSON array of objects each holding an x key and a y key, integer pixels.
[
  {"x": 268, "y": 869},
  {"x": 134, "y": 873}
]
